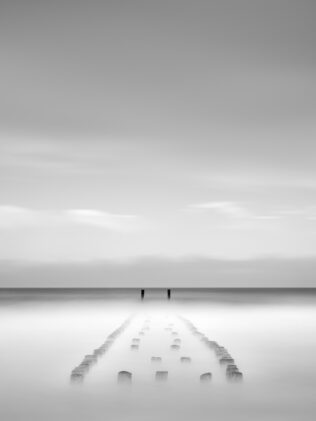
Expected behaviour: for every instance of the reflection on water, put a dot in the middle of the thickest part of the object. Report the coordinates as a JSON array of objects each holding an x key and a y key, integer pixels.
[{"x": 268, "y": 335}]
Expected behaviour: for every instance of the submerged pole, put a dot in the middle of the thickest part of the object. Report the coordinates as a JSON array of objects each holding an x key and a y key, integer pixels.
[
  {"x": 169, "y": 293},
  {"x": 142, "y": 293}
]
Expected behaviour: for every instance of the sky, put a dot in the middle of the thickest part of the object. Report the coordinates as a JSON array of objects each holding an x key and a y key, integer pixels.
[{"x": 157, "y": 129}]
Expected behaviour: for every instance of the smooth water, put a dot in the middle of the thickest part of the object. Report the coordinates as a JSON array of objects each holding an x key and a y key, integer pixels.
[{"x": 270, "y": 334}]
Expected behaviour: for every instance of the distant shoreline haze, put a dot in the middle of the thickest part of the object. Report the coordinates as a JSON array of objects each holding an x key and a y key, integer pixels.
[{"x": 162, "y": 273}]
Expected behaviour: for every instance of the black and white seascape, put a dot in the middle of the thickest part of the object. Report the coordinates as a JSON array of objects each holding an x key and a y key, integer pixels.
[
  {"x": 157, "y": 210},
  {"x": 80, "y": 355}
]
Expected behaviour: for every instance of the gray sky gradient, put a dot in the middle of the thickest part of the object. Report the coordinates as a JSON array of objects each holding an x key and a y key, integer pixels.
[{"x": 171, "y": 129}]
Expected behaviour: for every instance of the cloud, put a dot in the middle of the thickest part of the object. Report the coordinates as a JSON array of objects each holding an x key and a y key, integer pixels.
[
  {"x": 105, "y": 220},
  {"x": 308, "y": 212},
  {"x": 14, "y": 217},
  {"x": 58, "y": 155},
  {"x": 236, "y": 211},
  {"x": 230, "y": 209}
]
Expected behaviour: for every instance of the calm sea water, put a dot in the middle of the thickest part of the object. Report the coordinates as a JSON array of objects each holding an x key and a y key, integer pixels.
[{"x": 45, "y": 334}]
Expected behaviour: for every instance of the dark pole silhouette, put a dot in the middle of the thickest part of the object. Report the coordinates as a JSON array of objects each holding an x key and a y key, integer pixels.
[
  {"x": 169, "y": 293},
  {"x": 142, "y": 294}
]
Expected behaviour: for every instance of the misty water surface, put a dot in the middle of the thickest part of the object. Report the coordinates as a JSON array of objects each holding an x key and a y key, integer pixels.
[{"x": 271, "y": 335}]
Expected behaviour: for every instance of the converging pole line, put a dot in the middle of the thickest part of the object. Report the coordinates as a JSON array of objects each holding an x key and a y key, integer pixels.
[
  {"x": 78, "y": 373},
  {"x": 224, "y": 357}
]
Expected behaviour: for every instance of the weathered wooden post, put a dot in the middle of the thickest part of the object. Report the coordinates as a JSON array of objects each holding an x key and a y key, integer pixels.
[
  {"x": 124, "y": 377},
  {"x": 205, "y": 377},
  {"x": 161, "y": 376}
]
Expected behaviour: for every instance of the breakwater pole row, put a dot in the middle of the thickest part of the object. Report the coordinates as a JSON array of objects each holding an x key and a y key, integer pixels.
[
  {"x": 80, "y": 371},
  {"x": 126, "y": 377},
  {"x": 224, "y": 357}
]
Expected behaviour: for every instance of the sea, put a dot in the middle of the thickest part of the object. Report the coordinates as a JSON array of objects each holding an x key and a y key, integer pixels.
[{"x": 68, "y": 354}]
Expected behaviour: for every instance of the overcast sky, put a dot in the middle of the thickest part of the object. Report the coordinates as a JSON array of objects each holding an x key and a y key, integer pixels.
[{"x": 157, "y": 128}]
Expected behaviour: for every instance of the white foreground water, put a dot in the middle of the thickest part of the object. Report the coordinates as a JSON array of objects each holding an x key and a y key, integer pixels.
[{"x": 270, "y": 335}]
